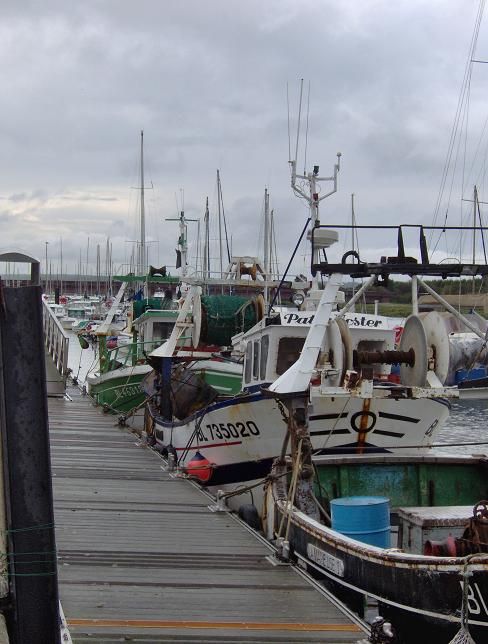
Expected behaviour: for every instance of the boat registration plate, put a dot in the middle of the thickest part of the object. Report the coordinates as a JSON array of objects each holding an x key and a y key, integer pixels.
[{"x": 325, "y": 560}]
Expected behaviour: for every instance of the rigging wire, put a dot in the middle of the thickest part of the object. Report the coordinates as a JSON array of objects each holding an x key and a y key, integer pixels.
[
  {"x": 225, "y": 223},
  {"x": 459, "y": 111}
]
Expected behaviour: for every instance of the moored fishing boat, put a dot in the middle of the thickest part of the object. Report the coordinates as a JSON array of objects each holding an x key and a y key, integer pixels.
[
  {"x": 116, "y": 385},
  {"x": 429, "y": 573},
  {"x": 232, "y": 439},
  {"x": 122, "y": 364},
  {"x": 407, "y": 532}
]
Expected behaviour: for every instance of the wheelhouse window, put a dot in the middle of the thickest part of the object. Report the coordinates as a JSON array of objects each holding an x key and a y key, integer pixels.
[
  {"x": 288, "y": 353},
  {"x": 162, "y": 330},
  {"x": 255, "y": 360},
  {"x": 248, "y": 370},
  {"x": 264, "y": 356}
]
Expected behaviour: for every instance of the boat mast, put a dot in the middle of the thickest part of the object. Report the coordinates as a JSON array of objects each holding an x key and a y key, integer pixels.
[
  {"x": 61, "y": 260},
  {"x": 220, "y": 230},
  {"x": 142, "y": 257},
  {"x": 353, "y": 247},
  {"x": 475, "y": 205},
  {"x": 206, "y": 259},
  {"x": 182, "y": 250},
  {"x": 312, "y": 197},
  {"x": 266, "y": 257}
]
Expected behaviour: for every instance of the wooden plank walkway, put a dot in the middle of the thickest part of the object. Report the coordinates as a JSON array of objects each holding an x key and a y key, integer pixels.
[{"x": 142, "y": 559}]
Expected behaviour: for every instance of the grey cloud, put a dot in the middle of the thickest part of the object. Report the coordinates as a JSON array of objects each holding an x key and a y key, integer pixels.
[{"x": 207, "y": 83}]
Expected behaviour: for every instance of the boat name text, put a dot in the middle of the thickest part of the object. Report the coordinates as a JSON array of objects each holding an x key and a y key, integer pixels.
[{"x": 295, "y": 319}]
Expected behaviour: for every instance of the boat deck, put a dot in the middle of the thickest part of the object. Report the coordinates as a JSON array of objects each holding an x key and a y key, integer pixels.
[{"x": 143, "y": 559}]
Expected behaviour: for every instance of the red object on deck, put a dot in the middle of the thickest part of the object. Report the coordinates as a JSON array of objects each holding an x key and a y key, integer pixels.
[{"x": 446, "y": 548}]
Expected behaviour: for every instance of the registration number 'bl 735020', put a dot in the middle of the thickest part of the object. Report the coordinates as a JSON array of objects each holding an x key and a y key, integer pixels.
[{"x": 227, "y": 431}]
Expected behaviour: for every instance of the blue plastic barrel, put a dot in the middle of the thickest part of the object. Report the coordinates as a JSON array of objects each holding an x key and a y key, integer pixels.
[{"x": 365, "y": 518}]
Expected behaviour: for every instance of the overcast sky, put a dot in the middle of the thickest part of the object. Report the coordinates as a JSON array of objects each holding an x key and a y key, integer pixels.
[{"x": 207, "y": 82}]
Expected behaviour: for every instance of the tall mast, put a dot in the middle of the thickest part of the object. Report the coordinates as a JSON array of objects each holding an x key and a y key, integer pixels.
[
  {"x": 220, "y": 228},
  {"x": 475, "y": 204},
  {"x": 142, "y": 257},
  {"x": 206, "y": 259},
  {"x": 312, "y": 196},
  {"x": 353, "y": 238},
  {"x": 86, "y": 271},
  {"x": 266, "y": 245},
  {"x": 182, "y": 250},
  {"x": 61, "y": 272}
]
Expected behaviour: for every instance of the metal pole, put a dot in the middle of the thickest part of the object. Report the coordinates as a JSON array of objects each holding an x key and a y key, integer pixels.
[
  {"x": 46, "y": 283},
  {"x": 33, "y": 614},
  {"x": 415, "y": 295}
]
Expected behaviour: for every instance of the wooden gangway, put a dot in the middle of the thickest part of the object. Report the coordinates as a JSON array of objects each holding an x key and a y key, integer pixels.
[{"x": 141, "y": 557}]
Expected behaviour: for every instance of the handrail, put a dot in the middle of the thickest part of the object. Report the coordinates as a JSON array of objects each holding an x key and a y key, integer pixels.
[
  {"x": 56, "y": 339},
  {"x": 127, "y": 351}
]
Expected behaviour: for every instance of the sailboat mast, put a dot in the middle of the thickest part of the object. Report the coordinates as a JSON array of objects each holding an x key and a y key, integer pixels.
[
  {"x": 206, "y": 262},
  {"x": 220, "y": 227},
  {"x": 266, "y": 245},
  {"x": 61, "y": 260},
  {"x": 142, "y": 257},
  {"x": 353, "y": 238}
]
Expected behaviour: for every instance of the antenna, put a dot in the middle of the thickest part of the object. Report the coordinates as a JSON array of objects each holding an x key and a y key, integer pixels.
[
  {"x": 308, "y": 188},
  {"x": 299, "y": 118}
]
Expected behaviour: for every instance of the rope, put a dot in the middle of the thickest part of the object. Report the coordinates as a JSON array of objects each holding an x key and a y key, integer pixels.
[
  {"x": 248, "y": 488},
  {"x": 463, "y": 636},
  {"x": 291, "y": 492}
]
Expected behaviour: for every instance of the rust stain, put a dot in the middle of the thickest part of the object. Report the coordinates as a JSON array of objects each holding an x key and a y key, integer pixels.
[{"x": 363, "y": 426}]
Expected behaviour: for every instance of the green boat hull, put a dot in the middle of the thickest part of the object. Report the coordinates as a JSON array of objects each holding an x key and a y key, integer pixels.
[
  {"x": 118, "y": 393},
  {"x": 406, "y": 481}
]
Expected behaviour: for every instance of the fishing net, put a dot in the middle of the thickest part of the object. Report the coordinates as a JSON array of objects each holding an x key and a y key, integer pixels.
[
  {"x": 462, "y": 637},
  {"x": 223, "y": 316}
]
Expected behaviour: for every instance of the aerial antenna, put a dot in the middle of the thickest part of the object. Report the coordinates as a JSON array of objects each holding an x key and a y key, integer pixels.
[
  {"x": 288, "y": 110},
  {"x": 308, "y": 187},
  {"x": 306, "y": 131},
  {"x": 299, "y": 119}
]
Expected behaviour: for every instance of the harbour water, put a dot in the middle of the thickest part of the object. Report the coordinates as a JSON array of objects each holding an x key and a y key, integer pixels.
[
  {"x": 467, "y": 425},
  {"x": 81, "y": 361}
]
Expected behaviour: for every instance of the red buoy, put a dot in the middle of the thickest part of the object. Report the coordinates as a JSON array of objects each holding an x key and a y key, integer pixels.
[{"x": 199, "y": 467}]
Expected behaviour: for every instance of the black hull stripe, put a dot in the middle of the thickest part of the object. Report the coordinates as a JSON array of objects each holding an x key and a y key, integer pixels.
[
  {"x": 326, "y": 432},
  {"x": 383, "y": 432},
  {"x": 328, "y": 416},
  {"x": 405, "y": 419}
]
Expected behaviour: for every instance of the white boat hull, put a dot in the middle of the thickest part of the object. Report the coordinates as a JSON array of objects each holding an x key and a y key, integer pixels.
[{"x": 240, "y": 437}]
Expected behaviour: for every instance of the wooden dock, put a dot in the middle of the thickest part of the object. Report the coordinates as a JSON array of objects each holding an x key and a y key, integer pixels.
[{"x": 143, "y": 559}]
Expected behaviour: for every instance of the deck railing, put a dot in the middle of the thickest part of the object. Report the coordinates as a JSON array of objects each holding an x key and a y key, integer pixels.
[{"x": 56, "y": 340}]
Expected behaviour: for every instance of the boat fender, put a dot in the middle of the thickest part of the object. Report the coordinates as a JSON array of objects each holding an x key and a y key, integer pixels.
[
  {"x": 199, "y": 467},
  {"x": 249, "y": 514}
]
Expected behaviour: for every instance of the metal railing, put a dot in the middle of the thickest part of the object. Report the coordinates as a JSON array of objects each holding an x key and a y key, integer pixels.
[{"x": 56, "y": 339}]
